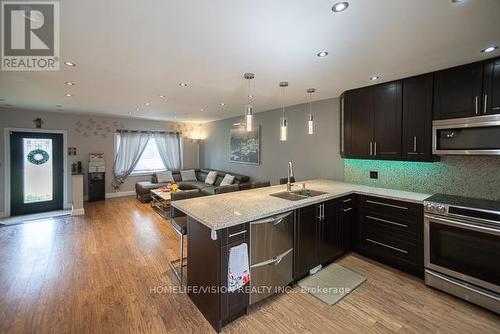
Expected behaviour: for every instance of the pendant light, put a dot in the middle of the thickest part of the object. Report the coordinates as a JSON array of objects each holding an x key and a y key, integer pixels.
[
  {"x": 249, "y": 107},
  {"x": 310, "y": 122},
  {"x": 283, "y": 119}
]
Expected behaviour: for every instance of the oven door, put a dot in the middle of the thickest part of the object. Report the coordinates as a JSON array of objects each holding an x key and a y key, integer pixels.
[{"x": 464, "y": 250}]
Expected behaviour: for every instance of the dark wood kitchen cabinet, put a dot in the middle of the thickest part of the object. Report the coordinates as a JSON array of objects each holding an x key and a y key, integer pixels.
[
  {"x": 359, "y": 126},
  {"x": 457, "y": 91},
  {"x": 417, "y": 118},
  {"x": 306, "y": 240},
  {"x": 391, "y": 232},
  {"x": 372, "y": 121},
  {"x": 491, "y": 87},
  {"x": 387, "y": 110},
  {"x": 322, "y": 234},
  {"x": 207, "y": 270}
]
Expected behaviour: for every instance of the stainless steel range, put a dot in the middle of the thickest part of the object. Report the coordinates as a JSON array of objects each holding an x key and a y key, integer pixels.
[{"x": 462, "y": 248}]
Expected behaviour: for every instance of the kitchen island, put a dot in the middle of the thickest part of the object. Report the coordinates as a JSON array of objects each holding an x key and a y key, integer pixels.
[{"x": 323, "y": 226}]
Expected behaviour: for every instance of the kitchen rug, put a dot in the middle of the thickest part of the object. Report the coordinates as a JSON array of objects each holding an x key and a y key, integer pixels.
[{"x": 332, "y": 283}]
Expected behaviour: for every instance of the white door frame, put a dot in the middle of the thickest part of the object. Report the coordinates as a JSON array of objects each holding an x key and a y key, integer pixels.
[{"x": 7, "y": 132}]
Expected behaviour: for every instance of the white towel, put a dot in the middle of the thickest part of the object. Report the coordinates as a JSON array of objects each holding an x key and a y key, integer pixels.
[{"x": 238, "y": 273}]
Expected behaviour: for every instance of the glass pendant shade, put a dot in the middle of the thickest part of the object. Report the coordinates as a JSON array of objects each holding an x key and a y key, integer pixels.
[
  {"x": 310, "y": 125},
  {"x": 283, "y": 129},
  {"x": 249, "y": 118}
]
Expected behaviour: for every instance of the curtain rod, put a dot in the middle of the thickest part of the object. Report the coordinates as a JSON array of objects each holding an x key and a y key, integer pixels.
[{"x": 149, "y": 131}]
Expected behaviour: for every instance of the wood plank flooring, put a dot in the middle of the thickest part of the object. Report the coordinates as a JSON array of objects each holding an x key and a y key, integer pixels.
[{"x": 98, "y": 274}]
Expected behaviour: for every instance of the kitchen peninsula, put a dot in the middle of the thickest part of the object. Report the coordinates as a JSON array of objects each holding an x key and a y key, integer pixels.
[{"x": 325, "y": 226}]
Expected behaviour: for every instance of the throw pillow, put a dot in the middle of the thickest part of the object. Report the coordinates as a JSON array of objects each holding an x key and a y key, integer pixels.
[
  {"x": 188, "y": 175},
  {"x": 164, "y": 177},
  {"x": 227, "y": 180},
  {"x": 211, "y": 177}
]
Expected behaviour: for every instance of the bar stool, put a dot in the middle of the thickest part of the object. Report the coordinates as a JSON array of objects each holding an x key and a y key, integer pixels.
[{"x": 180, "y": 226}]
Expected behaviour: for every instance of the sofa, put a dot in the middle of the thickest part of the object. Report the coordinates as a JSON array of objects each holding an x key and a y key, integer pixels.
[{"x": 143, "y": 189}]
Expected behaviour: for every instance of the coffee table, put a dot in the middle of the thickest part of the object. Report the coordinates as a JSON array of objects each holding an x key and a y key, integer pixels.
[{"x": 160, "y": 202}]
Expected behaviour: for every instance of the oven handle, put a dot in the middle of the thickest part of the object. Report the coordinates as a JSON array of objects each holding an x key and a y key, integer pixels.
[{"x": 466, "y": 226}]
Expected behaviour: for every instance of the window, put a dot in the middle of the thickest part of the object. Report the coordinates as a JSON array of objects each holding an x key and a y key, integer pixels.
[{"x": 150, "y": 160}]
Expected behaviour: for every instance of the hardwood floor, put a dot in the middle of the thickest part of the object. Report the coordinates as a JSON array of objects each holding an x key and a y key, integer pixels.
[{"x": 98, "y": 274}]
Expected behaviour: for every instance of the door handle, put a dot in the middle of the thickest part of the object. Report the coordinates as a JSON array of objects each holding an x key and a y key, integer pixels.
[
  {"x": 371, "y": 148},
  {"x": 415, "y": 144},
  {"x": 476, "y": 104},
  {"x": 485, "y": 107},
  {"x": 375, "y": 149}
]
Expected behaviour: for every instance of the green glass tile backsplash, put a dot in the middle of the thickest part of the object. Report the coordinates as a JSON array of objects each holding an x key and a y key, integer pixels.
[{"x": 469, "y": 176}]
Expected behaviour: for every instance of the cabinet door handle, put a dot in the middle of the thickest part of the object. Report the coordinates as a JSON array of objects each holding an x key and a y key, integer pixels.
[
  {"x": 347, "y": 200},
  {"x": 347, "y": 210},
  {"x": 387, "y": 204},
  {"x": 485, "y": 107},
  {"x": 476, "y": 104},
  {"x": 323, "y": 211},
  {"x": 387, "y": 246},
  {"x": 414, "y": 143},
  {"x": 387, "y": 221},
  {"x": 371, "y": 148},
  {"x": 375, "y": 149},
  {"x": 237, "y": 233}
]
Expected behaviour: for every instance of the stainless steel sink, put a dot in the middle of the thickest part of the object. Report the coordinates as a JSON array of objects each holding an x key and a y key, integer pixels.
[{"x": 298, "y": 195}]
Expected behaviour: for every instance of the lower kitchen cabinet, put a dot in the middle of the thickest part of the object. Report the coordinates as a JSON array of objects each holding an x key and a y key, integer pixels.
[
  {"x": 391, "y": 232},
  {"x": 322, "y": 234},
  {"x": 207, "y": 269}
]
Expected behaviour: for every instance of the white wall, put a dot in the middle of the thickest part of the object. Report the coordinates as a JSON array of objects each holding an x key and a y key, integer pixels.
[
  {"x": 91, "y": 142},
  {"x": 314, "y": 156}
]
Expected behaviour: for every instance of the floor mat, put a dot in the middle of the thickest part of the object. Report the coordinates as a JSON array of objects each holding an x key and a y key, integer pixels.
[{"x": 332, "y": 283}]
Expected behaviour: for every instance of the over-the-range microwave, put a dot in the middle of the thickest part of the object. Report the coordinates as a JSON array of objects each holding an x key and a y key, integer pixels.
[{"x": 467, "y": 136}]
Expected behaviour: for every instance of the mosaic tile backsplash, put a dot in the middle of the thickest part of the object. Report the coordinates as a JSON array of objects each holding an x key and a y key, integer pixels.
[{"x": 455, "y": 175}]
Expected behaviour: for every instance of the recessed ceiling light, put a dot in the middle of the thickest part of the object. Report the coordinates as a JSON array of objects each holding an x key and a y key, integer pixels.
[
  {"x": 130, "y": 113},
  {"x": 70, "y": 64},
  {"x": 322, "y": 54},
  {"x": 70, "y": 83},
  {"x": 202, "y": 109},
  {"x": 147, "y": 103},
  {"x": 340, "y": 7},
  {"x": 68, "y": 95},
  {"x": 457, "y": 1},
  {"x": 250, "y": 96},
  {"x": 375, "y": 77},
  {"x": 183, "y": 84},
  {"x": 162, "y": 96},
  {"x": 489, "y": 49},
  {"x": 222, "y": 104},
  {"x": 137, "y": 109}
]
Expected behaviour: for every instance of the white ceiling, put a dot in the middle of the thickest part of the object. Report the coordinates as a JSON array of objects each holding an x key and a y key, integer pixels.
[{"x": 130, "y": 52}]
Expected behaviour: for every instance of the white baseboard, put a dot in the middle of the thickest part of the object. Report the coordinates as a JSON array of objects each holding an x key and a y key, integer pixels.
[
  {"x": 115, "y": 195},
  {"x": 78, "y": 212},
  {"x": 120, "y": 194}
]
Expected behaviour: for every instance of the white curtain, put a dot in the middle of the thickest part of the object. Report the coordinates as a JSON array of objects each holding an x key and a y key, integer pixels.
[
  {"x": 169, "y": 147},
  {"x": 130, "y": 148}
]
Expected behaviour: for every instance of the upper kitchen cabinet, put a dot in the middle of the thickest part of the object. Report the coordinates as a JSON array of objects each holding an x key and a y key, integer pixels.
[
  {"x": 359, "y": 123},
  {"x": 386, "y": 109},
  {"x": 371, "y": 119},
  {"x": 491, "y": 87},
  {"x": 417, "y": 118},
  {"x": 457, "y": 92}
]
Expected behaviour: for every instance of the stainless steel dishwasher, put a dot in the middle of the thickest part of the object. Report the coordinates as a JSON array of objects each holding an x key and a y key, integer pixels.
[{"x": 271, "y": 255}]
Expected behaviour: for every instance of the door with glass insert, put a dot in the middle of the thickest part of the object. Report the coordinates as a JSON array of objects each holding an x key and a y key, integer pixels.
[{"x": 36, "y": 171}]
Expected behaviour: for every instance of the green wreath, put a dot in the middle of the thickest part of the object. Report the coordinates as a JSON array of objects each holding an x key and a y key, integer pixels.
[{"x": 38, "y": 157}]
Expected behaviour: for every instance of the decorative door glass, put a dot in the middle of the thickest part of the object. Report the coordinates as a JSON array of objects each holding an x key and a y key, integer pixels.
[{"x": 37, "y": 170}]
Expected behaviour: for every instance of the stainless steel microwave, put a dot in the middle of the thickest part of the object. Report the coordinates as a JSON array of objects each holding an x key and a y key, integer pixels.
[{"x": 467, "y": 136}]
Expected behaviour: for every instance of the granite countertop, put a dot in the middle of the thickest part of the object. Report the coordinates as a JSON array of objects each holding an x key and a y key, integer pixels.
[{"x": 225, "y": 210}]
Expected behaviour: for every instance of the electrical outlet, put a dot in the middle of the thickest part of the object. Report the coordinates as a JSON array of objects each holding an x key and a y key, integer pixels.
[{"x": 373, "y": 174}]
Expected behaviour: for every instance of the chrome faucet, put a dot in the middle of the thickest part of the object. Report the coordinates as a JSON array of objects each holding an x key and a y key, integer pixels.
[{"x": 290, "y": 175}]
